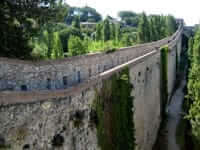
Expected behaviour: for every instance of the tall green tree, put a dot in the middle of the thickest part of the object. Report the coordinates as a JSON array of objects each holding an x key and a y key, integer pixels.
[
  {"x": 98, "y": 32},
  {"x": 196, "y": 48},
  {"x": 117, "y": 33},
  {"x": 152, "y": 28},
  {"x": 194, "y": 87},
  {"x": 50, "y": 43},
  {"x": 20, "y": 22},
  {"x": 106, "y": 30},
  {"x": 112, "y": 31},
  {"x": 61, "y": 10},
  {"x": 157, "y": 27},
  {"x": 57, "y": 51},
  {"x": 160, "y": 26},
  {"x": 76, "y": 22},
  {"x": 170, "y": 25},
  {"x": 143, "y": 29}
]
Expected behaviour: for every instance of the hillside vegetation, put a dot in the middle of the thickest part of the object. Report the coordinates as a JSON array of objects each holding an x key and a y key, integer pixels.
[
  {"x": 193, "y": 87},
  {"x": 51, "y": 29}
]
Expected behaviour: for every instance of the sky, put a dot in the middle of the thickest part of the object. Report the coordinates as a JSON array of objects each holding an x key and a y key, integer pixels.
[{"x": 186, "y": 9}]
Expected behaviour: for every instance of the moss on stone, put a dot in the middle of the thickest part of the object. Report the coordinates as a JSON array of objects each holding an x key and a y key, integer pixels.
[
  {"x": 114, "y": 107},
  {"x": 110, "y": 50},
  {"x": 5, "y": 147},
  {"x": 164, "y": 77},
  {"x": 177, "y": 61}
]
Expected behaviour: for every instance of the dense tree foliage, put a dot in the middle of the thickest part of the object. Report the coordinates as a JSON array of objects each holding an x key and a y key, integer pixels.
[
  {"x": 89, "y": 14},
  {"x": 155, "y": 27},
  {"x": 194, "y": 85},
  {"x": 143, "y": 29},
  {"x": 76, "y": 46},
  {"x": 170, "y": 25},
  {"x": 76, "y": 22},
  {"x": 86, "y": 14},
  {"x": 99, "y": 32},
  {"x": 129, "y": 18},
  {"x": 106, "y": 30},
  {"x": 126, "y": 14},
  {"x": 20, "y": 21},
  {"x": 49, "y": 29}
]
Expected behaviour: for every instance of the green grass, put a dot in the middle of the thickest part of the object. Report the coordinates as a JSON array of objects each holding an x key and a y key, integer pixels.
[{"x": 98, "y": 46}]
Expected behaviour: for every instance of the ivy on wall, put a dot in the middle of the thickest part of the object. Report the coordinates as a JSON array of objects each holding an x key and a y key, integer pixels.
[
  {"x": 164, "y": 77},
  {"x": 177, "y": 61},
  {"x": 114, "y": 110},
  {"x": 178, "y": 72},
  {"x": 193, "y": 91}
]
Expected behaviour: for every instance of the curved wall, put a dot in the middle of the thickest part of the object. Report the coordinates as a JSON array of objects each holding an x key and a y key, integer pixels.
[
  {"x": 37, "y": 117},
  {"x": 16, "y": 75}
]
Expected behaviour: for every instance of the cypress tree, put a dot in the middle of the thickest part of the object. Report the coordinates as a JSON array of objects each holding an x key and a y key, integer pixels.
[
  {"x": 143, "y": 29},
  {"x": 76, "y": 22},
  {"x": 153, "y": 35},
  {"x": 106, "y": 30},
  {"x": 170, "y": 25},
  {"x": 98, "y": 32},
  {"x": 113, "y": 33},
  {"x": 57, "y": 51},
  {"x": 117, "y": 33}
]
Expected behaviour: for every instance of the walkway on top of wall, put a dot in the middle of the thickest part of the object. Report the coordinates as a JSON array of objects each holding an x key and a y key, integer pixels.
[{"x": 12, "y": 97}]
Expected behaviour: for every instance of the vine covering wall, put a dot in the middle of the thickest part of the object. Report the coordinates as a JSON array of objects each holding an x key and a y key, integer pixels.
[
  {"x": 69, "y": 112},
  {"x": 193, "y": 89},
  {"x": 164, "y": 77},
  {"x": 114, "y": 108}
]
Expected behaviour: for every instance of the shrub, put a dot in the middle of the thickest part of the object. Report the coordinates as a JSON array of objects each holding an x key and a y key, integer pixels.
[{"x": 76, "y": 46}]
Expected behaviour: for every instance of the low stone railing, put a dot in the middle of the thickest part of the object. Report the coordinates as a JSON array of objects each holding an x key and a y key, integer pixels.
[{"x": 18, "y": 75}]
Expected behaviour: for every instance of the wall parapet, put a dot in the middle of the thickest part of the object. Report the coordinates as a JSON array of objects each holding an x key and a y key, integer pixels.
[
  {"x": 35, "y": 118},
  {"x": 17, "y": 75},
  {"x": 20, "y": 97}
]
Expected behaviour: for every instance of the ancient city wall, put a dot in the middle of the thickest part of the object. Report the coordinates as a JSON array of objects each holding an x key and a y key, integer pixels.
[
  {"x": 39, "y": 119},
  {"x": 174, "y": 56},
  {"x": 145, "y": 78},
  {"x": 50, "y": 75},
  {"x": 18, "y": 75}
]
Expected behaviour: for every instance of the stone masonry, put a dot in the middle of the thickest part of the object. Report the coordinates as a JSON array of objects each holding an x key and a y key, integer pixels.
[{"x": 48, "y": 105}]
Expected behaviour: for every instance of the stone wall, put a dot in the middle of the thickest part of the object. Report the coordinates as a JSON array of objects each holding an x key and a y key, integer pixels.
[
  {"x": 174, "y": 49},
  {"x": 61, "y": 119},
  {"x": 51, "y": 75},
  {"x": 18, "y": 75},
  {"x": 146, "y": 80},
  {"x": 56, "y": 124},
  {"x": 171, "y": 70},
  {"x": 37, "y": 119}
]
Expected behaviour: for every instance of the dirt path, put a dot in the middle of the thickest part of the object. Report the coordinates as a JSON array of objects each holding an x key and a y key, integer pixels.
[{"x": 174, "y": 116}]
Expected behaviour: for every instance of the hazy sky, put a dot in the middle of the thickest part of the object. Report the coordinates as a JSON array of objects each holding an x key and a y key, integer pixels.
[{"x": 186, "y": 9}]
